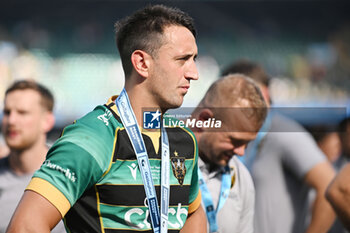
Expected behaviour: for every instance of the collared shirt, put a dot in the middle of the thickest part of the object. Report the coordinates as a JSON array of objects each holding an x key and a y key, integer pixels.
[{"x": 237, "y": 214}]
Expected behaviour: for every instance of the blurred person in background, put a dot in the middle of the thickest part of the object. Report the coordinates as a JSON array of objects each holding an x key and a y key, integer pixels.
[
  {"x": 285, "y": 163},
  {"x": 344, "y": 135},
  {"x": 27, "y": 118},
  {"x": 328, "y": 139},
  {"x": 103, "y": 174},
  {"x": 4, "y": 150},
  {"x": 338, "y": 194},
  {"x": 227, "y": 188}
]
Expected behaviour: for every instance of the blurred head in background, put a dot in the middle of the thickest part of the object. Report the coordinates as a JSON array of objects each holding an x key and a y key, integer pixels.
[
  {"x": 344, "y": 134},
  {"x": 237, "y": 102},
  {"x": 254, "y": 71},
  {"x": 328, "y": 140},
  {"x": 27, "y": 115}
]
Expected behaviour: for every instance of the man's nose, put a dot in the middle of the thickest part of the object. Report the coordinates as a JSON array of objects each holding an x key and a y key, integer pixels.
[
  {"x": 192, "y": 72},
  {"x": 239, "y": 150}
]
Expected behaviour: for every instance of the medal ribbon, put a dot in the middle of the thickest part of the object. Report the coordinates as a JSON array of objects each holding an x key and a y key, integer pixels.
[{"x": 159, "y": 222}]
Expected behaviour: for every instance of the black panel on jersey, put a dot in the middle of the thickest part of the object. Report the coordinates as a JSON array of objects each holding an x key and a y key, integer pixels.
[
  {"x": 133, "y": 231},
  {"x": 90, "y": 221},
  {"x": 125, "y": 151},
  {"x": 177, "y": 137},
  {"x": 107, "y": 194}
]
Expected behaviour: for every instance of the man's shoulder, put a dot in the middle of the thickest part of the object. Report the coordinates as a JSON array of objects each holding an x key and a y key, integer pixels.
[
  {"x": 99, "y": 121},
  {"x": 282, "y": 123},
  {"x": 97, "y": 129},
  {"x": 101, "y": 116},
  {"x": 288, "y": 133}
]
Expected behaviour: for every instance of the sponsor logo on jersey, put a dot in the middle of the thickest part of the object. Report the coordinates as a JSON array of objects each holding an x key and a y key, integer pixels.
[
  {"x": 105, "y": 117},
  {"x": 179, "y": 168},
  {"x": 66, "y": 171},
  {"x": 133, "y": 170},
  {"x": 145, "y": 224}
]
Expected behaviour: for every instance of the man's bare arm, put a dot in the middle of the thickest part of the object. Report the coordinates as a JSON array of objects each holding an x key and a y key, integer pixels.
[
  {"x": 196, "y": 222},
  {"x": 338, "y": 194},
  {"x": 34, "y": 213},
  {"x": 323, "y": 215}
]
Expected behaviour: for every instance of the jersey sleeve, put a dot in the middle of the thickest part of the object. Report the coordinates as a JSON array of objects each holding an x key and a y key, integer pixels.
[{"x": 74, "y": 163}]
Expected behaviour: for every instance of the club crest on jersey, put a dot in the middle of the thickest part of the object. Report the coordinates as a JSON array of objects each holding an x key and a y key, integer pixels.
[{"x": 179, "y": 168}]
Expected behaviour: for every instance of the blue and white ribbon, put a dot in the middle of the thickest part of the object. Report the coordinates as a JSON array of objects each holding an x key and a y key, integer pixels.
[{"x": 159, "y": 222}]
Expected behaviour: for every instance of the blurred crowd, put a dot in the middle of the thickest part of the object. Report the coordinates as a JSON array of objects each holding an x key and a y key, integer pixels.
[{"x": 309, "y": 71}]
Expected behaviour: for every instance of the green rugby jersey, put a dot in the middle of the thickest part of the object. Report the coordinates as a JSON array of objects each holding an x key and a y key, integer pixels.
[{"x": 92, "y": 172}]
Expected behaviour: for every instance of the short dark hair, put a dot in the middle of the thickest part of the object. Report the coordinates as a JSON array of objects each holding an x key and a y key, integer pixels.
[
  {"x": 343, "y": 124},
  {"x": 143, "y": 30},
  {"x": 47, "y": 99},
  {"x": 344, "y": 134},
  {"x": 249, "y": 68}
]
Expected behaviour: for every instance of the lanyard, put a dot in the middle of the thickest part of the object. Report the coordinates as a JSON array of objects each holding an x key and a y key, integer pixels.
[
  {"x": 130, "y": 123},
  {"x": 252, "y": 150},
  {"x": 208, "y": 200}
]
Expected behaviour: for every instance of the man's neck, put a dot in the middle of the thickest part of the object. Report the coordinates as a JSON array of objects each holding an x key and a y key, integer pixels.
[
  {"x": 140, "y": 99},
  {"x": 27, "y": 161},
  {"x": 211, "y": 166}
]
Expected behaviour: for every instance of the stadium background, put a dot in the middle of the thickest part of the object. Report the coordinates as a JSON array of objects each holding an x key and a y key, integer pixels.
[{"x": 69, "y": 46}]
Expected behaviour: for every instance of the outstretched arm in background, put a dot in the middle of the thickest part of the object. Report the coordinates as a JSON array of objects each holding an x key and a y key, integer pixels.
[
  {"x": 338, "y": 194},
  {"x": 323, "y": 215}
]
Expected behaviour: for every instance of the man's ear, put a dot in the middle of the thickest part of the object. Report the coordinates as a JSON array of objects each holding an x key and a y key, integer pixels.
[
  {"x": 141, "y": 62},
  {"x": 205, "y": 114},
  {"x": 48, "y": 122}
]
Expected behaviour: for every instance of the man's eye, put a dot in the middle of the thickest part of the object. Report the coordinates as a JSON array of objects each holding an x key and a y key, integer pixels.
[{"x": 183, "y": 58}]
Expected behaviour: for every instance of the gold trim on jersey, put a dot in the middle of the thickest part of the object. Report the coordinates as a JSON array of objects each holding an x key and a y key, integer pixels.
[
  {"x": 51, "y": 193},
  {"x": 112, "y": 155},
  {"x": 98, "y": 208},
  {"x": 196, "y": 203},
  {"x": 154, "y": 135}
]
